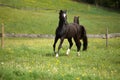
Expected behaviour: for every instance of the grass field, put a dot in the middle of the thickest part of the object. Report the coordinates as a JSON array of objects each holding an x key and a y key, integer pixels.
[
  {"x": 41, "y": 16},
  {"x": 33, "y": 59}
]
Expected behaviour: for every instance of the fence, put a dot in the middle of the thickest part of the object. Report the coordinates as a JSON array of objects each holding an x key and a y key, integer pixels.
[
  {"x": 2, "y": 36},
  {"x": 103, "y": 36}
]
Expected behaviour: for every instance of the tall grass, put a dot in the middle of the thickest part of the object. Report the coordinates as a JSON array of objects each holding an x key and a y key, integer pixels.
[
  {"x": 31, "y": 16},
  {"x": 33, "y": 59}
]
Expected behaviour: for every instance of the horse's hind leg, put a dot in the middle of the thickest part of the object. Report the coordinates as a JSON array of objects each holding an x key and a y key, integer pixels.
[
  {"x": 78, "y": 44},
  {"x": 70, "y": 45}
]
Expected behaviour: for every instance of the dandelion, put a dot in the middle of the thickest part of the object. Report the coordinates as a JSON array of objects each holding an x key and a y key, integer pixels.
[
  {"x": 30, "y": 71},
  {"x": 84, "y": 74},
  {"x": 2, "y": 63},
  {"x": 77, "y": 78},
  {"x": 57, "y": 62},
  {"x": 32, "y": 62},
  {"x": 94, "y": 68},
  {"x": 62, "y": 74},
  {"x": 55, "y": 69},
  {"x": 48, "y": 70},
  {"x": 48, "y": 65}
]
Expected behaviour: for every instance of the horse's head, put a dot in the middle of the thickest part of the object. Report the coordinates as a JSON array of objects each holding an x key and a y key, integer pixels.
[
  {"x": 63, "y": 15},
  {"x": 76, "y": 19}
]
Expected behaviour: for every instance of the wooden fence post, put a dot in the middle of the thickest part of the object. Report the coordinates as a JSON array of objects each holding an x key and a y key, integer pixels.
[
  {"x": 107, "y": 37},
  {"x": 2, "y": 35}
]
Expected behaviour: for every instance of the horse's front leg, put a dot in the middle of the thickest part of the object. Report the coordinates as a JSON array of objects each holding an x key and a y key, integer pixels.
[
  {"x": 59, "y": 47},
  {"x": 70, "y": 45},
  {"x": 54, "y": 45}
]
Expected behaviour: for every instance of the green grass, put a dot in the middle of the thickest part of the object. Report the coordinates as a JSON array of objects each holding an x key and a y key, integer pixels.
[
  {"x": 28, "y": 22},
  {"x": 31, "y": 16},
  {"x": 33, "y": 59}
]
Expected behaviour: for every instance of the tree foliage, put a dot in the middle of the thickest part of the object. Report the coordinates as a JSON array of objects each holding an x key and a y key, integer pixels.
[{"x": 105, "y": 3}]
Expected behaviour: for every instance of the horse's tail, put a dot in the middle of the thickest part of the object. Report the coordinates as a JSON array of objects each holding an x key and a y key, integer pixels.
[
  {"x": 85, "y": 43},
  {"x": 84, "y": 38}
]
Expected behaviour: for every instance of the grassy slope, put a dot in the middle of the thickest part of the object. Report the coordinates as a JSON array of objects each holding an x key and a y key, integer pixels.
[
  {"x": 32, "y": 59},
  {"x": 30, "y": 16}
]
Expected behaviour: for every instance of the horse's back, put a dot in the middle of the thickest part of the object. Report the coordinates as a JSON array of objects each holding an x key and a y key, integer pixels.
[{"x": 72, "y": 29}]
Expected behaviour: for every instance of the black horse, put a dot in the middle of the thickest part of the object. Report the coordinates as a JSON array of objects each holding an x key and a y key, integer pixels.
[
  {"x": 83, "y": 34},
  {"x": 67, "y": 31}
]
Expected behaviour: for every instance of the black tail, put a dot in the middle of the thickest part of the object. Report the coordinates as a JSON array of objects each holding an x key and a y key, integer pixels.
[
  {"x": 84, "y": 38},
  {"x": 85, "y": 43}
]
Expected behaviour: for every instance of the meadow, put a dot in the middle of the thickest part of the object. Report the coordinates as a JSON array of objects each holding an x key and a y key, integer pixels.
[
  {"x": 41, "y": 17},
  {"x": 33, "y": 59}
]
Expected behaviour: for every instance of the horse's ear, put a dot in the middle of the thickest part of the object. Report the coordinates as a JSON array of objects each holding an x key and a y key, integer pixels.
[{"x": 60, "y": 11}]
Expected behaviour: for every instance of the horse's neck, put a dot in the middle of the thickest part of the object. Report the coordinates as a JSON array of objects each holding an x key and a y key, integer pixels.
[
  {"x": 61, "y": 23},
  {"x": 76, "y": 21}
]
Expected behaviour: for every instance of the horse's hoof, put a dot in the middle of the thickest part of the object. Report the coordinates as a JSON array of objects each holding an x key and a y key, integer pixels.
[
  {"x": 57, "y": 55},
  {"x": 78, "y": 54},
  {"x": 68, "y": 52}
]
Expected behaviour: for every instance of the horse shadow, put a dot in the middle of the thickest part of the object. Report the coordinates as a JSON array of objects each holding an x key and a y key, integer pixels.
[{"x": 53, "y": 55}]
